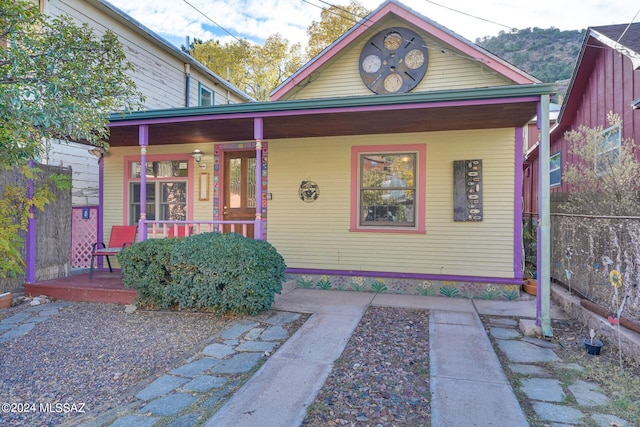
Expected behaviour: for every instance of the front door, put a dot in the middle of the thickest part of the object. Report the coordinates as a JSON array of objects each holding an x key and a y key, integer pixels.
[{"x": 239, "y": 189}]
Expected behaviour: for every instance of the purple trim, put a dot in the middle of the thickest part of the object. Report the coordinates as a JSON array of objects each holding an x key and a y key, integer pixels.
[
  {"x": 258, "y": 135},
  {"x": 143, "y": 140},
  {"x": 517, "y": 206},
  {"x": 417, "y": 276},
  {"x": 30, "y": 273},
  {"x": 308, "y": 112},
  {"x": 100, "y": 219}
]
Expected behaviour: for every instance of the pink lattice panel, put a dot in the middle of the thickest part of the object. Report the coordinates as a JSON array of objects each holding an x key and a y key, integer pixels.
[{"x": 84, "y": 231}]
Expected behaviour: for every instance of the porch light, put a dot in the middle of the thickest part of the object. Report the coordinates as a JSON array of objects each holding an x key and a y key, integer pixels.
[{"x": 197, "y": 156}]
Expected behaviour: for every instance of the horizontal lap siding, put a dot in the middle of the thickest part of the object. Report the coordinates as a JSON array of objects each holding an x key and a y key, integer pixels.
[
  {"x": 159, "y": 75},
  {"x": 446, "y": 70},
  {"x": 316, "y": 235}
]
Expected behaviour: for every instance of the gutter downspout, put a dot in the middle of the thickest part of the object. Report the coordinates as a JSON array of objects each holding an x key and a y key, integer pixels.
[
  {"x": 543, "y": 306},
  {"x": 187, "y": 83}
]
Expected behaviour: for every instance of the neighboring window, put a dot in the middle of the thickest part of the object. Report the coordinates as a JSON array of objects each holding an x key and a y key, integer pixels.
[
  {"x": 166, "y": 190},
  {"x": 205, "y": 96},
  {"x": 387, "y": 189},
  {"x": 555, "y": 170},
  {"x": 609, "y": 152}
]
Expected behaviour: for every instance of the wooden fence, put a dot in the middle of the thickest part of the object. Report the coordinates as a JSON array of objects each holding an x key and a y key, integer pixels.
[{"x": 53, "y": 229}]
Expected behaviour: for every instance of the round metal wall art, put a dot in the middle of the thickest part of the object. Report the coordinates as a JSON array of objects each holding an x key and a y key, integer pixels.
[
  {"x": 309, "y": 191},
  {"x": 393, "y": 61}
]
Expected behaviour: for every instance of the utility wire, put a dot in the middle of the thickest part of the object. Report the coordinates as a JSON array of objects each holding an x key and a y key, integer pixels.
[
  {"x": 214, "y": 22},
  {"x": 625, "y": 30},
  {"x": 470, "y": 15}
]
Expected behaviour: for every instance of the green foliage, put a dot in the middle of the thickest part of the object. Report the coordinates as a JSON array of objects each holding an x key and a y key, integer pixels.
[
  {"x": 221, "y": 272},
  {"x": 15, "y": 207},
  {"x": 256, "y": 70},
  {"x": 612, "y": 187},
  {"x": 146, "y": 267},
  {"x": 334, "y": 22},
  {"x": 57, "y": 81},
  {"x": 548, "y": 54}
]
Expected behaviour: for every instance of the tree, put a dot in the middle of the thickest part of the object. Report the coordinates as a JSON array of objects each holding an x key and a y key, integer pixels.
[
  {"x": 256, "y": 70},
  {"x": 605, "y": 180},
  {"x": 334, "y": 22},
  {"x": 57, "y": 81}
]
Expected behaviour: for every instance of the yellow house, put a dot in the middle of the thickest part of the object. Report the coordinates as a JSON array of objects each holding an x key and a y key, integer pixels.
[{"x": 391, "y": 162}]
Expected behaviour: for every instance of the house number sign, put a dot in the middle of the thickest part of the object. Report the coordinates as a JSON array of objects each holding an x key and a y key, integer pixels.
[{"x": 467, "y": 190}]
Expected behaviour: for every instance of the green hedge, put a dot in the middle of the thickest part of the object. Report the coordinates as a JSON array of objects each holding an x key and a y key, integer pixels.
[
  {"x": 146, "y": 268},
  {"x": 222, "y": 272}
]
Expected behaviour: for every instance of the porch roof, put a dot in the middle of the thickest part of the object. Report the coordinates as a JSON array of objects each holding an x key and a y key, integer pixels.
[{"x": 476, "y": 108}]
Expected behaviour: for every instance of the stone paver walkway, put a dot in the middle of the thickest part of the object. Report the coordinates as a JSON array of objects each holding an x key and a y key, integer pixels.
[
  {"x": 24, "y": 321},
  {"x": 554, "y": 402},
  {"x": 188, "y": 394}
]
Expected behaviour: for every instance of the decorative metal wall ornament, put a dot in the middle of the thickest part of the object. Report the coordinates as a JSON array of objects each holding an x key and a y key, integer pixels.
[
  {"x": 393, "y": 61},
  {"x": 467, "y": 190},
  {"x": 309, "y": 191}
]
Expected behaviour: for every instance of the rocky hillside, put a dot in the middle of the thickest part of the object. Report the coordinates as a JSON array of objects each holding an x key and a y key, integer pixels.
[{"x": 548, "y": 54}]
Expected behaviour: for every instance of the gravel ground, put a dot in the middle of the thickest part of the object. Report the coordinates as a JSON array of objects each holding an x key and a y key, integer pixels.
[
  {"x": 96, "y": 355},
  {"x": 382, "y": 377}
]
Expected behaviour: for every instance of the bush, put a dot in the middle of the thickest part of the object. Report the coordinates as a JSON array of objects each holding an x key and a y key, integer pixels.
[
  {"x": 146, "y": 268},
  {"x": 226, "y": 272},
  {"x": 222, "y": 272}
]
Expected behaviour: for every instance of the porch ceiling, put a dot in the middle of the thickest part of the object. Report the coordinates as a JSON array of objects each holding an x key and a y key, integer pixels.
[{"x": 312, "y": 123}]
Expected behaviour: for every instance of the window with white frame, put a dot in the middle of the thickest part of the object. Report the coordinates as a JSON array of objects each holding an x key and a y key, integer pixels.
[
  {"x": 555, "y": 169},
  {"x": 609, "y": 152},
  {"x": 387, "y": 189},
  {"x": 167, "y": 183},
  {"x": 205, "y": 95}
]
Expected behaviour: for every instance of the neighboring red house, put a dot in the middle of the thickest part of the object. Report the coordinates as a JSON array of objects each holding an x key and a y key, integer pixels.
[
  {"x": 606, "y": 78},
  {"x": 530, "y": 145}
]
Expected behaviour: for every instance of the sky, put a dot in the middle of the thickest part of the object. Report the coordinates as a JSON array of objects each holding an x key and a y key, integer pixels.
[{"x": 255, "y": 20}]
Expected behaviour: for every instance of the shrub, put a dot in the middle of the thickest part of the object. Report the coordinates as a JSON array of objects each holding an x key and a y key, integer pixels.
[
  {"x": 225, "y": 272},
  {"x": 146, "y": 268},
  {"x": 222, "y": 272}
]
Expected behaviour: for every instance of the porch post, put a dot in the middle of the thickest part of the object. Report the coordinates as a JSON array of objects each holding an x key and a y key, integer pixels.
[
  {"x": 30, "y": 273},
  {"x": 258, "y": 134},
  {"x": 544, "y": 223},
  {"x": 100, "y": 215},
  {"x": 143, "y": 140}
]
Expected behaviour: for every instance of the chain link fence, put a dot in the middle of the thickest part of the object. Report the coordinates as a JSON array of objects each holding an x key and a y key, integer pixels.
[{"x": 586, "y": 249}]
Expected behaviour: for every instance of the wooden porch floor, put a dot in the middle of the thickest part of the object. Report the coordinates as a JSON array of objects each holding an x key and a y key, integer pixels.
[{"x": 104, "y": 287}]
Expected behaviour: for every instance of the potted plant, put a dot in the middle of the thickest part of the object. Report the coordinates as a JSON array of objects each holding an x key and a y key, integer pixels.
[
  {"x": 592, "y": 345},
  {"x": 529, "y": 282},
  {"x": 6, "y": 299}
]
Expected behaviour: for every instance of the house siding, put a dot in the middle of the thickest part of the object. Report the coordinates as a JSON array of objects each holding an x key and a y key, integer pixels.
[
  {"x": 316, "y": 235},
  {"x": 447, "y": 69},
  {"x": 611, "y": 85},
  {"x": 159, "y": 76}
]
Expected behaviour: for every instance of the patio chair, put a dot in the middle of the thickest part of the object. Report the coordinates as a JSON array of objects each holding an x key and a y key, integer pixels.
[
  {"x": 121, "y": 237},
  {"x": 182, "y": 231}
]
